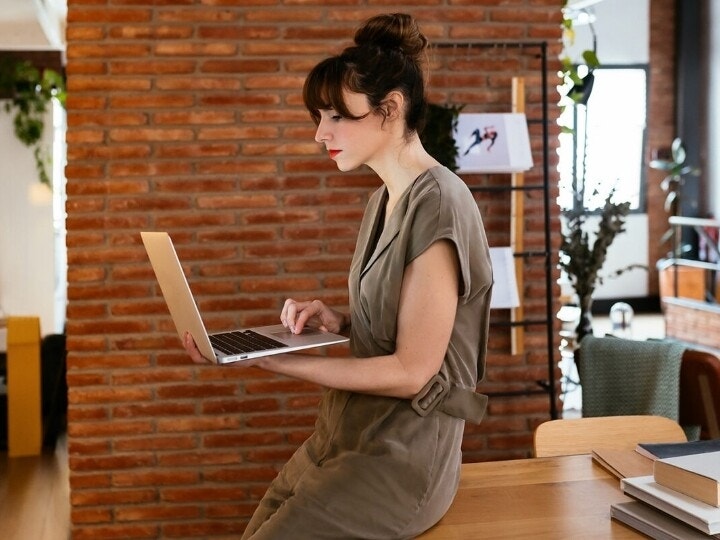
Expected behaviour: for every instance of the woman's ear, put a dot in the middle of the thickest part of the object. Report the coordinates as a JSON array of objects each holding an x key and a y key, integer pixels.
[{"x": 394, "y": 104}]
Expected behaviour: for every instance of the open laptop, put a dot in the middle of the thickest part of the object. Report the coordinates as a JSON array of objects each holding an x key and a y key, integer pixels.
[{"x": 224, "y": 347}]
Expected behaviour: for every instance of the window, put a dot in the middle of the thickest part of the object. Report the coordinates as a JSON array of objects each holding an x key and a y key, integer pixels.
[{"x": 607, "y": 146}]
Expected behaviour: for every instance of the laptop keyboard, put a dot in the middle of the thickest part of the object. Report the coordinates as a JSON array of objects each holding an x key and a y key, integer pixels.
[{"x": 244, "y": 341}]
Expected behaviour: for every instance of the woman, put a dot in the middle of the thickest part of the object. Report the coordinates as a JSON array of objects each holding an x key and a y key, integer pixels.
[{"x": 385, "y": 456}]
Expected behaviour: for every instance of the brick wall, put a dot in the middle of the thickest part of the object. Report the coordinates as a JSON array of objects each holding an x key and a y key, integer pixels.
[
  {"x": 661, "y": 129},
  {"x": 185, "y": 115}
]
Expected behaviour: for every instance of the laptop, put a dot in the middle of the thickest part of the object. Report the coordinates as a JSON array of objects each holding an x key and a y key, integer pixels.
[{"x": 223, "y": 347}]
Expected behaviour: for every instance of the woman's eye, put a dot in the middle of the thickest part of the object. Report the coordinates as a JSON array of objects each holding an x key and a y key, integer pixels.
[{"x": 336, "y": 117}]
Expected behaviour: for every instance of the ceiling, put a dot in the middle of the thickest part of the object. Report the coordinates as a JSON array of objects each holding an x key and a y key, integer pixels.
[{"x": 32, "y": 24}]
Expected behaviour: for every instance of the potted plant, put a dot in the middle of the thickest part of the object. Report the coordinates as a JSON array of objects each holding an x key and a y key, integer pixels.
[
  {"x": 583, "y": 255},
  {"x": 29, "y": 92},
  {"x": 437, "y": 137},
  {"x": 671, "y": 184}
]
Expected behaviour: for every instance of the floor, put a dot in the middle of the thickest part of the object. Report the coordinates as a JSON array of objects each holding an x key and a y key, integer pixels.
[
  {"x": 34, "y": 496},
  {"x": 642, "y": 326}
]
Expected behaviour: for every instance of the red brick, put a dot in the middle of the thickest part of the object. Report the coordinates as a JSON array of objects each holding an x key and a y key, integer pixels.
[
  {"x": 206, "y": 49},
  {"x": 84, "y": 515},
  {"x": 160, "y": 443},
  {"x": 157, "y": 513},
  {"x": 150, "y": 32},
  {"x": 111, "y": 532},
  {"x": 175, "y": 425},
  {"x": 106, "y": 15}
]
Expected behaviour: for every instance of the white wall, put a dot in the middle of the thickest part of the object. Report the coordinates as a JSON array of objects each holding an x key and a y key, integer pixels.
[
  {"x": 627, "y": 249},
  {"x": 623, "y": 37},
  {"x": 28, "y": 269},
  {"x": 622, "y": 29}
]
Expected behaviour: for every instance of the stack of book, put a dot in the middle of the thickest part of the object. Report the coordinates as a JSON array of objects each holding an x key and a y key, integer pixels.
[{"x": 681, "y": 498}]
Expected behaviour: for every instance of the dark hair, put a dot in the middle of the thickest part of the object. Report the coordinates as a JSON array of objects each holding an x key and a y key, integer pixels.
[{"x": 388, "y": 54}]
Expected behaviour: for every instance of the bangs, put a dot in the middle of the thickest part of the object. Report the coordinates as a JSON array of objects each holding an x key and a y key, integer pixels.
[{"x": 323, "y": 88}]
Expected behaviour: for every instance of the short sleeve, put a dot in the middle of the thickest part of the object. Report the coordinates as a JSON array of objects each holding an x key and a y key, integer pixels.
[{"x": 443, "y": 209}]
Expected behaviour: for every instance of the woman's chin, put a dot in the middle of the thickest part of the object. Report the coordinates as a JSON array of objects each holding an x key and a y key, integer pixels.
[{"x": 346, "y": 167}]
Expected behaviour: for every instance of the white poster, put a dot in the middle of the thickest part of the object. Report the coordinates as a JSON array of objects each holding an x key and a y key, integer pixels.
[{"x": 493, "y": 142}]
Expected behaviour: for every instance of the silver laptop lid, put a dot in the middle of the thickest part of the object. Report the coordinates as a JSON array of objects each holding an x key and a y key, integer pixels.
[{"x": 175, "y": 289}]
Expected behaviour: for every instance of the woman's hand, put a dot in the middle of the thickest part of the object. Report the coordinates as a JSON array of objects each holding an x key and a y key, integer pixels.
[
  {"x": 192, "y": 350},
  {"x": 296, "y": 315}
]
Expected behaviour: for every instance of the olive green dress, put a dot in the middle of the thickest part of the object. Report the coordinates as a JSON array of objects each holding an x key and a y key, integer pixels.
[{"x": 374, "y": 468}]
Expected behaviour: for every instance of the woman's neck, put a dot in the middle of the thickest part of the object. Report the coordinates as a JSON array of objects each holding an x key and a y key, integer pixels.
[{"x": 400, "y": 166}]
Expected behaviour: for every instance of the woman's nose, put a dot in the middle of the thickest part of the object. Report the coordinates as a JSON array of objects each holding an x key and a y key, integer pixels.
[{"x": 321, "y": 133}]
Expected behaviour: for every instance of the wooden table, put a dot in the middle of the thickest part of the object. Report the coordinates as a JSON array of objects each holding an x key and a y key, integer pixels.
[{"x": 554, "y": 498}]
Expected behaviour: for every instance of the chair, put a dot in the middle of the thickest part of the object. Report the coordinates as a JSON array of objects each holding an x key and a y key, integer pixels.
[
  {"x": 700, "y": 392},
  {"x": 581, "y": 435},
  {"x": 628, "y": 377}
]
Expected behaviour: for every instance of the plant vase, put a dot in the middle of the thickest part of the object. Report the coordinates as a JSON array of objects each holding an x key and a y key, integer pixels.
[{"x": 584, "y": 326}]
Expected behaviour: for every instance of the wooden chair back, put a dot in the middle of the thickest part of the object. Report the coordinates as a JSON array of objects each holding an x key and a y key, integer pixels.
[
  {"x": 582, "y": 435},
  {"x": 700, "y": 392}
]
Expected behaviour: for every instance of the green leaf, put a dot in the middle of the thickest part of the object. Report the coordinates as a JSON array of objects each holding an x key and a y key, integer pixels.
[
  {"x": 678, "y": 151},
  {"x": 670, "y": 200},
  {"x": 591, "y": 59},
  {"x": 661, "y": 164}
]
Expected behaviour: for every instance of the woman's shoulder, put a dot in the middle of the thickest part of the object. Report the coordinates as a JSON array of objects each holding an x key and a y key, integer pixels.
[{"x": 445, "y": 184}]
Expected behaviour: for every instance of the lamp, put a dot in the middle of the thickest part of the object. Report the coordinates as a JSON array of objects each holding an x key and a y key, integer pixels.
[{"x": 493, "y": 143}]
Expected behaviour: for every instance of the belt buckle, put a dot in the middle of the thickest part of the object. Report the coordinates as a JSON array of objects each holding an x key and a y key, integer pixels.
[{"x": 430, "y": 396}]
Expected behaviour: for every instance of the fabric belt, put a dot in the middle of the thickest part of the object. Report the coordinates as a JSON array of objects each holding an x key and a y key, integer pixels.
[{"x": 439, "y": 394}]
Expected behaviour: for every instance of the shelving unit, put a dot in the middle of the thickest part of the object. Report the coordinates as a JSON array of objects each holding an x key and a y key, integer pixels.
[
  {"x": 518, "y": 188},
  {"x": 702, "y": 227}
]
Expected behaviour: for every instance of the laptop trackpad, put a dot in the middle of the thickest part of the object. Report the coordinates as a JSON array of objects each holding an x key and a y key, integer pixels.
[{"x": 287, "y": 334}]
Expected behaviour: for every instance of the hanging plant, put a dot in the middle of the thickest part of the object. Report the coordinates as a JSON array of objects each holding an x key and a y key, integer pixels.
[
  {"x": 438, "y": 135},
  {"x": 29, "y": 92},
  {"x": 577, "y": 78}
]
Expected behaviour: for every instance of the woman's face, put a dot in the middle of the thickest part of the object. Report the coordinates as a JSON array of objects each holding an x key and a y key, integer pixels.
[{"x": 349, "y": 142}]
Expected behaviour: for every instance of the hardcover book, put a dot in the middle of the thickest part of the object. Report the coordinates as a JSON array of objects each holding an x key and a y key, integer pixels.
[
  {"x": 666, "y": 450},
  {"x": 654, "y": 523},
  {"x": 696, "y": 475}
]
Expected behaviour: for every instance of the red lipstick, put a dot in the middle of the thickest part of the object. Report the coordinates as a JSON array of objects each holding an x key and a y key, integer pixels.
[{"x": 333, "y": 153}]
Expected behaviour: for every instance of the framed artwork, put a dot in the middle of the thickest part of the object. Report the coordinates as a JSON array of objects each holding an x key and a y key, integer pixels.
[{"x": 493, "y": 142}]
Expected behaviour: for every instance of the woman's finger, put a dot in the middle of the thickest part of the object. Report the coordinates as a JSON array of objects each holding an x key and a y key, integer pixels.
[
  {"x": 284, "y": 311},
  {"x": 309, "y": 311},
  {"x": 290, "y": 311},
  {"x": 192, "y": 350}
]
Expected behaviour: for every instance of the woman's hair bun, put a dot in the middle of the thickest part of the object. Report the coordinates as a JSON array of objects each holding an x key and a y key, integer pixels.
[{"x": 392, "y": 31}]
